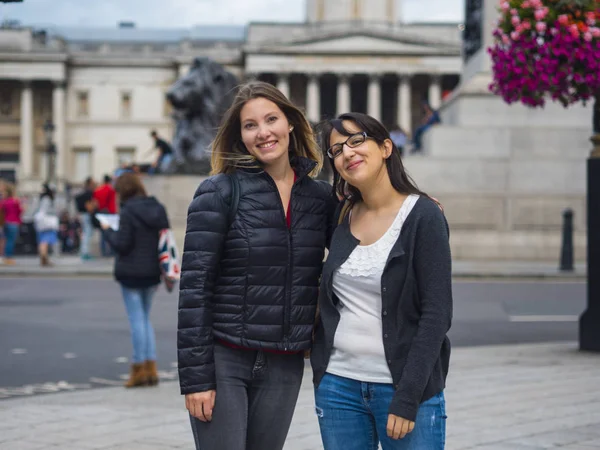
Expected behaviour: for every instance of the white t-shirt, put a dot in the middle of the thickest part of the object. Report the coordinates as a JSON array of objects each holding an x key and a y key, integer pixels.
[{"x": 358, "y": 343}]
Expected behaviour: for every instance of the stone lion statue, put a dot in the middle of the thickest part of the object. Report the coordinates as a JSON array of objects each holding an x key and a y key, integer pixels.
[{"x": 199, "y": 100}]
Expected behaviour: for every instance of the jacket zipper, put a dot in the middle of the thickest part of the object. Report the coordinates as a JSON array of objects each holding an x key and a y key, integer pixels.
[{"x": 288, "y": 289}]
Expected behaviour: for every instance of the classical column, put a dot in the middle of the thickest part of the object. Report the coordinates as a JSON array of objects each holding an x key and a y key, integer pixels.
[
  {"x": 26, "y": 147},
  {"x": 374, "y": 96},
  {"x": 313, "y": 98},
  {"x": 435, "y": 91},
  {"x": 404, "y": 104},
  {"x": 283, "y": 83},
  {"x": 58, "y": 117},
  {"x": 343, "y": 94}
]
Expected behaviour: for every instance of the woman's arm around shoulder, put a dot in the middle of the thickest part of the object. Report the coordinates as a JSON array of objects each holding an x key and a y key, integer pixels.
[{"x": 207, "y": 227}]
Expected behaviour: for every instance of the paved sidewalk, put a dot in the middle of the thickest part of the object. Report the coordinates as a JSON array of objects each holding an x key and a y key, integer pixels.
[
  {"x": 523, "y": 397},
  {"x": 73, "y": 266}
]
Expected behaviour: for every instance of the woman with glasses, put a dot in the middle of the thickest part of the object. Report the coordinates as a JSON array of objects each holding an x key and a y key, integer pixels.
[{"x": 381, "y": 354}]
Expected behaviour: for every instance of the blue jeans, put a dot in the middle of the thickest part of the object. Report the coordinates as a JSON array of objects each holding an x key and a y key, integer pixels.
[
  {"x": 105, "y": 248},
  {"x": 11, "y": 232},
  {"x": 138, "y": 303},
  {"x": 87, "y": 232},
  {"x": 353, "y": 416}
]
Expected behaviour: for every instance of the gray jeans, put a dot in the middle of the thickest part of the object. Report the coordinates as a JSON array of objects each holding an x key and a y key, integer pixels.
[{"x": 255, "y": 400}]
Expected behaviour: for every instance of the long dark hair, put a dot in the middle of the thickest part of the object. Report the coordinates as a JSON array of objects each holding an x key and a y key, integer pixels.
[
  {"x": 399, "y": 178},
  {"x": 47, "y": 191}
]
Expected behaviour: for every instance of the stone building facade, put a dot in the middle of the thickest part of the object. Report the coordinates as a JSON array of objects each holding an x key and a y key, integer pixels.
[{"x": 104, "y": 89}]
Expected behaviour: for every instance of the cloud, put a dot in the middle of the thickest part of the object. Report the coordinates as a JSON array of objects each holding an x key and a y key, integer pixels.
[
  {"x": 153, "y": 13},
  {"x": 186, "y": 13},
  {"x": 433, "y": 10}
]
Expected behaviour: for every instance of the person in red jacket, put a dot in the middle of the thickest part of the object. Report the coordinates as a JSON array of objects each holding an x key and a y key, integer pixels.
[{"x": 106, "y": 201}]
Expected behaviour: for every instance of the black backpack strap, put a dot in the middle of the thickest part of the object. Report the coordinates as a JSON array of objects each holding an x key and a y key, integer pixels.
[{"x": 235, "y": 198}]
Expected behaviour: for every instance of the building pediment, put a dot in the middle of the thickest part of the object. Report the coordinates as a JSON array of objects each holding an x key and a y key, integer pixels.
[{"x": 359, "y": 43}]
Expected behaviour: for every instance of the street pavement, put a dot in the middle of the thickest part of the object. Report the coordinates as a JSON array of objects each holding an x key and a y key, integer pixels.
[
  {"x": 515, "y": 397},
  {"x": 59, "y": 334},
  {"x": 69, "y": 265}
]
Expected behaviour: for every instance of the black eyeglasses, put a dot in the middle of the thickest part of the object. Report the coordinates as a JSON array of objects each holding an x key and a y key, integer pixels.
[{"x": 353, "y": 141}]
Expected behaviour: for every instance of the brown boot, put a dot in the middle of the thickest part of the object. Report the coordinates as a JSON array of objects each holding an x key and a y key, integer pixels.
[
  {"x": 137, "y": 376},
  {"x": 151, "y": 372}
]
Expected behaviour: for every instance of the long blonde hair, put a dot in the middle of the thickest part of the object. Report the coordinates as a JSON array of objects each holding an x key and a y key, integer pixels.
[{"x": 230, "y": 153}]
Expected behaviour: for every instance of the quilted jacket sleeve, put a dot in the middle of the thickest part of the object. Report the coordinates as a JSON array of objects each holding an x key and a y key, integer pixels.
[{"x": 207, "y": 225}]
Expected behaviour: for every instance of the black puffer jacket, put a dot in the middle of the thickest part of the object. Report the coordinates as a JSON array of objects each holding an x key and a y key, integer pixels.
[
  {"x": 136, "y": 242},
  {"x": 254, "y": 283}
]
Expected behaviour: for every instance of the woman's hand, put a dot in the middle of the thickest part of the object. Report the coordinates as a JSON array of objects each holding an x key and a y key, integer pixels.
[
  {"x": 398, "y": 427},
  {"x": 201, "y": 404},
  {"x": 104, "y": 226}
]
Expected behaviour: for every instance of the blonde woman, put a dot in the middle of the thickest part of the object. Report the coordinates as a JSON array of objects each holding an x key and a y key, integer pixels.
[{"x": 256, "y": 234}]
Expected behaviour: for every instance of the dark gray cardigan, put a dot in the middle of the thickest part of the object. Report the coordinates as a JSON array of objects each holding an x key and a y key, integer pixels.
[{"x": 416, "y": 288}]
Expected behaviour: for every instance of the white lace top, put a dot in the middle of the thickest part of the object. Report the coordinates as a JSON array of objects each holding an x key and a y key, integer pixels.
[{"x": 358, "y": 343}]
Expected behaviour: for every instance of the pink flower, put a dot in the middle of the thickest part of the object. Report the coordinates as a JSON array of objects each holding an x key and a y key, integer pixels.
[
  {"x": 515, "y": 21},
  {"x": 514, "y": 35},
  {"x": 514, "y": 12},
  {"x": 526, "y": 4},
  {"x": 541, "y": 27},
  {"x": 540, "y": 13},
  {"x": 574, "y": 30},
  {"x": 527, "y": 25},
  {"x": 588, "y": 36},
  {"x": 595, "y": 32},
  {"x": 563, "y": 19},
  {"x": 505, "y": 40},
  {"x": 505, "y": 6}
]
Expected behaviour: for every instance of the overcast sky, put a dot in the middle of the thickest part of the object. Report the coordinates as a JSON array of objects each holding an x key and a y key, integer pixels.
[{"x": 185, "y": 13}]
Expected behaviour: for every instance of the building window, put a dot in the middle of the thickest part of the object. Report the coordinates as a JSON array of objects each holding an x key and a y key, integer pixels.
[
  {"x": 125, "y": 156},
  {"x": 82, "y": 104},
  {"x": 82, "y": 164},
  {"x": 6, "y": 104},
  {"x": 125, "y": 105}
]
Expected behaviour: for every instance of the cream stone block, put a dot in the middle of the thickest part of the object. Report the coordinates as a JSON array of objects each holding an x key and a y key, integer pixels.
[
  {"x": 472, "y": 212},
  {"x": 487, "y": 109},
  {"x": 442, "y": 141},
  {"x": 439, "y": 176},
  {"x": 549, "y": 142},
  {"x": 546, "y": 177},
  {"x": 546, "y": 213},
  {"x": 512, "y": 246}
]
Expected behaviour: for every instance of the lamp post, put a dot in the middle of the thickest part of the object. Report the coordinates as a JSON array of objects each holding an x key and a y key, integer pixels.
[
  {"x": 50, "y": 148},
  {"x": 589, "y": 331}
]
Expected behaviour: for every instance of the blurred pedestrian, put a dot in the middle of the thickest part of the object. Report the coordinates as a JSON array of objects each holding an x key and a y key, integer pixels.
[
  {"x": 165, "y": 154},
  {"x": 430, "y": 118},
  {"x": 69, "y": 232},
  {"x": 137, "y": 270},
  {"x": 399, "y": 138},
  {"x": 86, "y": 205},
  {"x": 250, "y": 273},
  {"x": 106, "y": 203},
  {"x": 46, "y": 224},
  {"x": 11, "y": 213},
  {"x": 381, "y": 352},
  {"x": 2, "y": 237}
]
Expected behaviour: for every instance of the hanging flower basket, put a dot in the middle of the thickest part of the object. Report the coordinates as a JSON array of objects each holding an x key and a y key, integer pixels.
[{"x": 546, "y": 49}]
